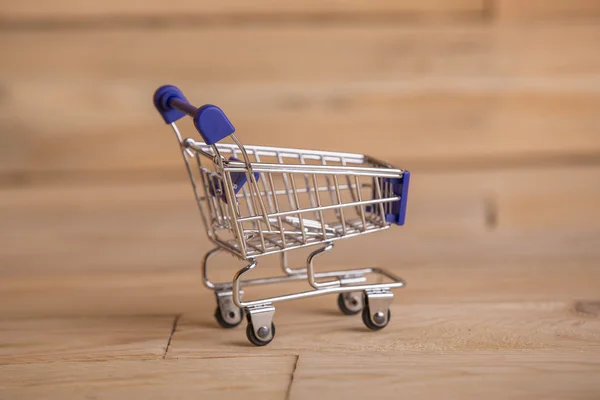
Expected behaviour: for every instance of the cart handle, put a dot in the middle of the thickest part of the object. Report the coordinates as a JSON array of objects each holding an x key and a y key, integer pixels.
[
  {"x": 210, "y": 121},
  {"x": 212, "y": 124}
]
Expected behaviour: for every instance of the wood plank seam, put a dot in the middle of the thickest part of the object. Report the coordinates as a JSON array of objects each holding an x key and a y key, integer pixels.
[
  {"x": 149, "y": 359},
  {"x": 197, "y": 21},
  {"x": 39, "y": 10},
  {"x": 289, "y": 389},
  {"x": 236, "y": 356},
  {"x": 173, "y": 329}
]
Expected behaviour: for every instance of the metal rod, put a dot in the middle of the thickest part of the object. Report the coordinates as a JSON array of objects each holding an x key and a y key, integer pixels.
[
  {"x": 311, "y": 269},
  {"x": 360, "y": 200},
  {"x": 331, "y": 207},
  {"x": 183, "y": 106},
  {"x": 396, "y": 283},
  {"x": 287, "y": 152},
  {"x": 297, "y": 202},
  {"x": 207, "y": 257},
  {"x": 339, "y": 200},
  {"x": 346, "y": 277}
]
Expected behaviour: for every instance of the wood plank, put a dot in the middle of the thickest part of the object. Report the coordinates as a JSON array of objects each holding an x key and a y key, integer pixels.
[
  {"x": 301, "y": 54},
  {"x": 536, "y": 202},
  {"x": 43, "y": 340},
  {"x": 517, "y": 350},
  {"x": 444, "y": 308},
  {"x": 430, "y": 129},
  {"x": 461, "y": 375},
  {"x": 170, "y": 292},
  {"x": 511, "y": 10},
  {"x": 41, "y": 10},
  {"x": 316, "y": 325},
  {"x": 214, "y": 378},
  {"x": 435, "y": 94},
  {"x": 146, "y": 297},
  {"x": 542, "y": 214}
]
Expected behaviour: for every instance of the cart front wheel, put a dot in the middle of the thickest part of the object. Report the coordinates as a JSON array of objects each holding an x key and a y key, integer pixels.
[
  {"x": 257, "y": 341},
  {"x": 375, "y": 325}
]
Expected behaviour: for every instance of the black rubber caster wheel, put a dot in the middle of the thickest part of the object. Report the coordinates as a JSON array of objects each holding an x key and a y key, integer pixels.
[
  {"x": 228, "y": 324},
  {"x": 255, "y": 340},
  {"x": 370, "y": 324},
  {"x": 352, "y": 307}
]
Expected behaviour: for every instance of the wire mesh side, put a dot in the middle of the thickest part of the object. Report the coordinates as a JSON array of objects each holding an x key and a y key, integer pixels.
[
  {"x": 321, "y": 199},
  {"x": 308, "y": 208}
]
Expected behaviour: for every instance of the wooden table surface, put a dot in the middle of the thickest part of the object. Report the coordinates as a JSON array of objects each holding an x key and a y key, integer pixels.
[{"x": 497, "y": 330}]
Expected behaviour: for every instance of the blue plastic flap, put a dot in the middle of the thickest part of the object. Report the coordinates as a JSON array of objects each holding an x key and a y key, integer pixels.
[
  {"x": 161, "y": 101},
  {"x": 238, "y": 179},
  {"x": 399, "y": 187},
  {"x": 403, "y": 198},
  {"x": 212, "y": 124}
]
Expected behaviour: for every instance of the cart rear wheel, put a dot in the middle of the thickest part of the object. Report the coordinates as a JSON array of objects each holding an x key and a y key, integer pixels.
[
  {"x": 366, "y": 317},
  {"x": 232, "y": 321},
  {"x": 254, "y": 339},
  {"x": 350, "y": 303}
]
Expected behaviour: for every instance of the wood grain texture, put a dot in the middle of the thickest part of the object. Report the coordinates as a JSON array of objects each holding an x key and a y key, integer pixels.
[
  {"x": 214, "y": 378},
  {"x": 317, "y": 325},
  {"x": 502, "y": 307},
  {"x": 440, "y": 94},
  {"x": 511, "y": 10},
  {"x": 545, "y": 213},
  {"x": 84, "y": 339},
  {"x": 301, "y": 54},
  {"x": 489, "y": 330},
  {"x": 111, "y": 9},
  {"x": 456, "y": 375},
  {"x": 173, "y": 292}
]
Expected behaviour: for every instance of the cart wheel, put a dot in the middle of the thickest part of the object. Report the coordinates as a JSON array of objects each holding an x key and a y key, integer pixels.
[
  {"x": 350, "y": 303},
  {"x": 228, "y": 324},
  {"x": 255, "y": 340},
  {"x": 366, "y": 317}
]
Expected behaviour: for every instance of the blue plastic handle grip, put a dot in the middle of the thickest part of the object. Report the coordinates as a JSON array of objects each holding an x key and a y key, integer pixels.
[{"x": 210, "y": 121}]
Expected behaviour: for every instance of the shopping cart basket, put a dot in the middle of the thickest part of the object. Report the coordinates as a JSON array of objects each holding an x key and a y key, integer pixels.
[{"x": 256, "y": 200}]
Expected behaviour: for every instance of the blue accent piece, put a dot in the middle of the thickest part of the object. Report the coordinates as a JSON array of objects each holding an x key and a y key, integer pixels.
[
  {"x": 212, "y": 123},
  {"x": 399, "y": 187},
  {"x": 238, "y": 179},
  {"x": 162, "y": 96},
  {"x": 403, "y": 198}
]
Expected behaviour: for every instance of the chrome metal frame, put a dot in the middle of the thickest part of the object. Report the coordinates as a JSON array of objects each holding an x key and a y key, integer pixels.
[
  {"x": 251, "y": 221},
  {"x": 345, "y": 281}
]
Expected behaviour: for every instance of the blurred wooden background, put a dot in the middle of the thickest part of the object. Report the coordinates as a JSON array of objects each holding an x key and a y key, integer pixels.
[{"x": 494, "y": 106}]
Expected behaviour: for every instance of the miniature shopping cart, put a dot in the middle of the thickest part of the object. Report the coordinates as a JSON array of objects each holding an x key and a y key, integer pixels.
[{"x": 256, "y": 201}]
